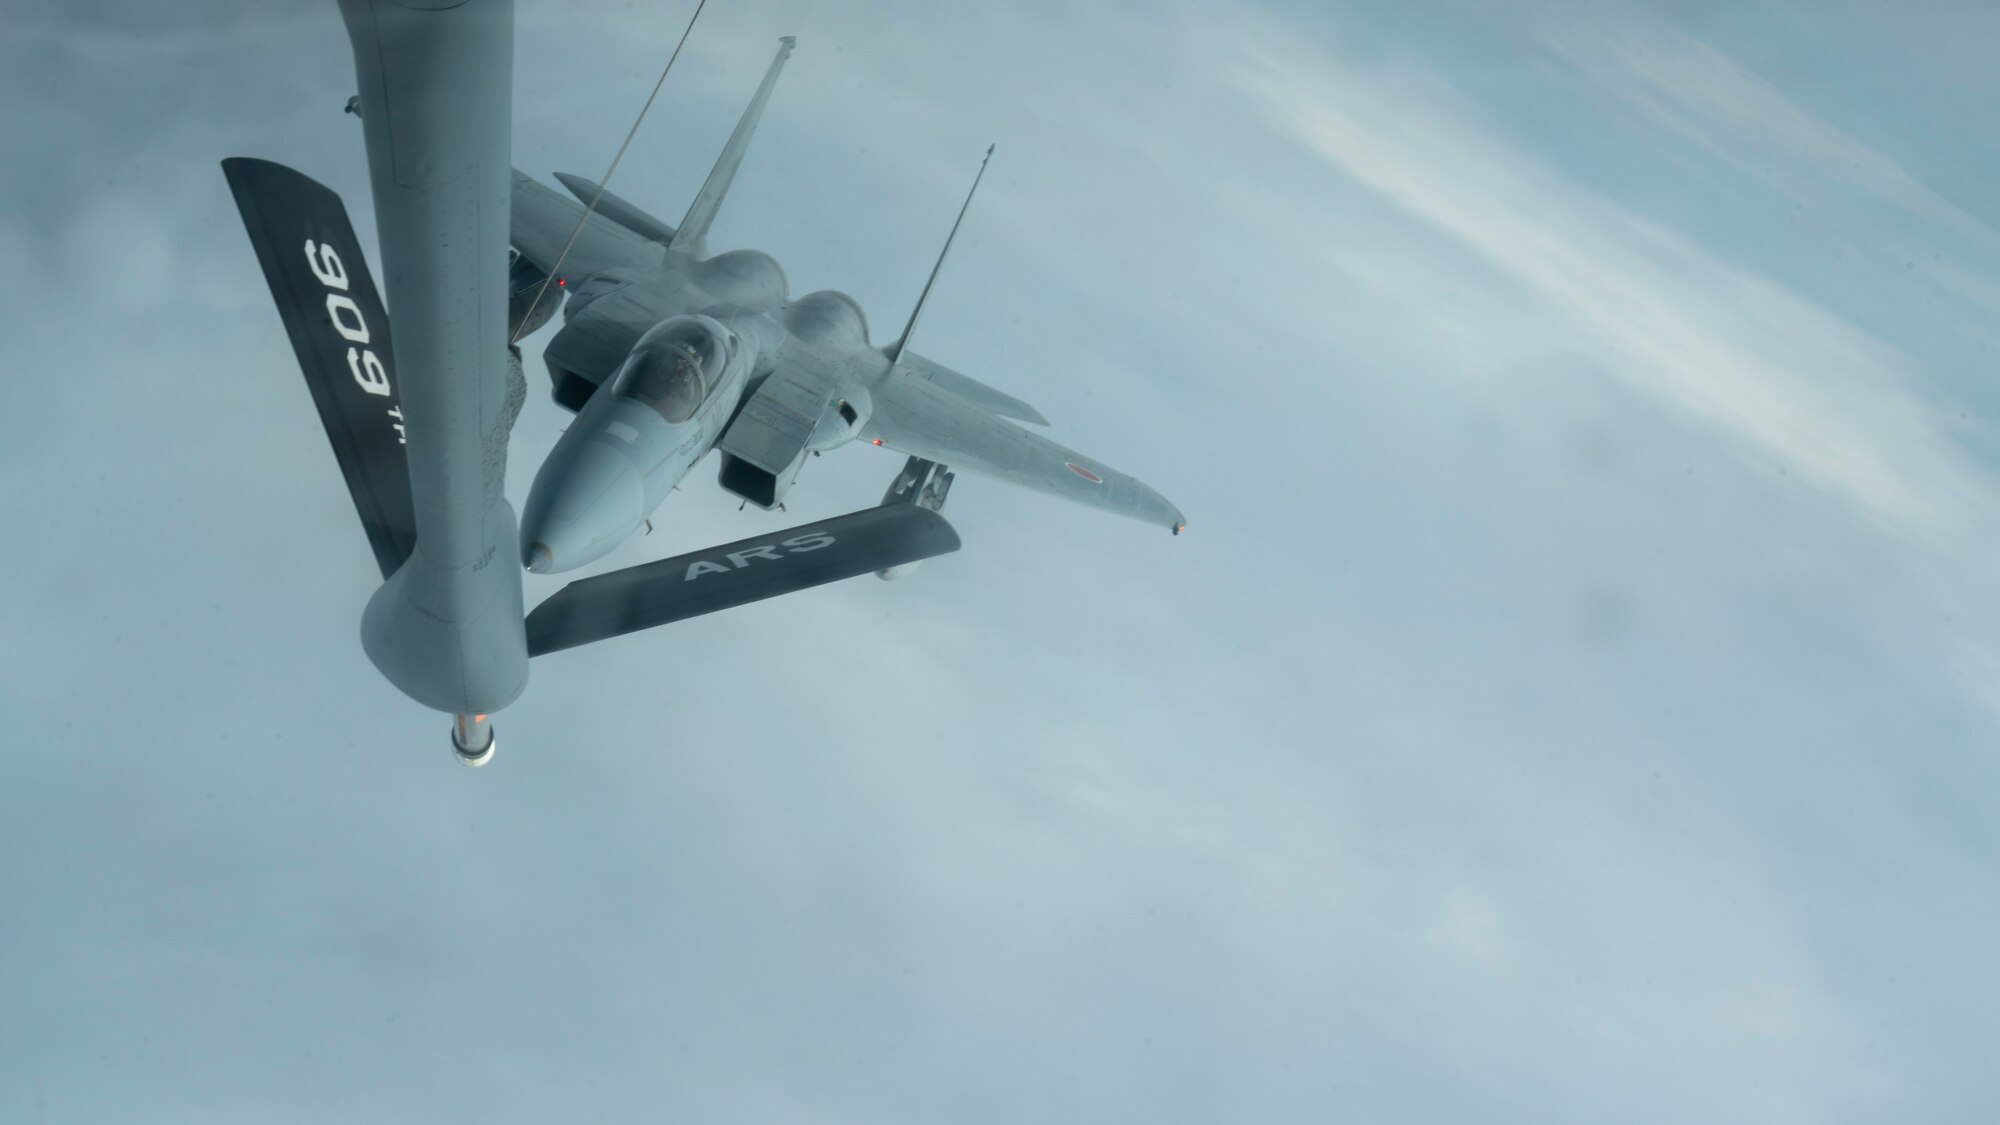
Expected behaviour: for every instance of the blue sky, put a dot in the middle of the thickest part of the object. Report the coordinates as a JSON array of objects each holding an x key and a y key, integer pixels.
[{"x": 1574, "y": 700}]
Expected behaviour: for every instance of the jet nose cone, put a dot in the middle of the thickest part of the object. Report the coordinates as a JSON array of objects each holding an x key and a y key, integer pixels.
[{"x": 581, "y": 507}]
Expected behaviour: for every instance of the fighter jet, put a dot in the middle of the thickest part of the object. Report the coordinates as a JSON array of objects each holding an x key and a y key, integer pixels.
[
  {"x": 667, "y": 352},
  {"x": 699, "y": 352}
]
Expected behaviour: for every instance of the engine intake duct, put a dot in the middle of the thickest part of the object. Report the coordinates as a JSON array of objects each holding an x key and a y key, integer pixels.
[
  {"x": 741, "y": 478},
  {"x": 763, "y": 448}
]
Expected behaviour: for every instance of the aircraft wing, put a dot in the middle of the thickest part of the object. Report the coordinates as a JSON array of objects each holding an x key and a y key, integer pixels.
[
  {"x": 970, "y": 389},
  {"x": 543, "y": 219},
  {"x": 918, "y": 416}
]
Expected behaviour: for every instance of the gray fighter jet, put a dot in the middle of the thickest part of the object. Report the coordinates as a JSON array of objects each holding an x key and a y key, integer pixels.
[
  {"x": 668, "y": 352},
  {"x": 698, "y": 351}
]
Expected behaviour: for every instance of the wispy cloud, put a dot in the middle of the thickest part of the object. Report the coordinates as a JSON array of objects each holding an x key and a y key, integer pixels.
[
  {"x": 1702, "y": 94},
  {"x": 1821, "y": 398}
]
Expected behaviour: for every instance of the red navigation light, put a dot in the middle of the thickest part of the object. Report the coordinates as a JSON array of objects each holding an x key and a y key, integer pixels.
[
  {"x": 561, "y": 281},
  {"x": 878, "y": 441}
]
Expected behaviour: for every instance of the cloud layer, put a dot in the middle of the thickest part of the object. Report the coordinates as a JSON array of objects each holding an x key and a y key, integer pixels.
[{"x": 1572, "y": 701}]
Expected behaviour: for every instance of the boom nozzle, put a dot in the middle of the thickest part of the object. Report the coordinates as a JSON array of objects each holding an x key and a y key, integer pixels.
[{"x": 472, "y": 739}]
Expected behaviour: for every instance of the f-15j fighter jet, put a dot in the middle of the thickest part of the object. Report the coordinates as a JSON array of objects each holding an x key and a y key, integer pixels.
[{"x": 668, "y": 352}]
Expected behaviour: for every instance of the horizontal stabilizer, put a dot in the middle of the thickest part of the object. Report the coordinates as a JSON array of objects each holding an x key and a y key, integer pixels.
[
  {"x": 543, "y": 220},
  {"x": 617, "y": 210},
  {"x": 640, "y": 597},
  {"x": 340, "y": 333}
]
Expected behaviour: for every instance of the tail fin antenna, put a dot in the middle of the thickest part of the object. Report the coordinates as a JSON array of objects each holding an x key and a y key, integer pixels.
[
  {"x": 692, "y": 235},
  {"x": 895, "y": 351}
]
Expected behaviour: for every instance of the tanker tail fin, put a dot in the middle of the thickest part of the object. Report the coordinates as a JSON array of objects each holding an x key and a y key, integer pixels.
[{"x": 340, "y": 333}]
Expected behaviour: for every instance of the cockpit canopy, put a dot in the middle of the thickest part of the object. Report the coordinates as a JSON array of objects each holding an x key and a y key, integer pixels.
[{"x": 675, "y": 365}]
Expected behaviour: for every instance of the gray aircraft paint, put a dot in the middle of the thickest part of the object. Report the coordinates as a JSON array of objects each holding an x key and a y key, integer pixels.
[
  {"x": 818, "y": 383},
  {"x": 1475, "y": 762},
  {"x": 618, "y": 461},
  {"x": 435, "y": 104}
]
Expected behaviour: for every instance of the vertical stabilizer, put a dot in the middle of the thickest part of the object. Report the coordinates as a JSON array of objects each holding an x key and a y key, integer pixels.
[
  {"x": 692, "y": 235},
  {"x": 895, "y": 351}
]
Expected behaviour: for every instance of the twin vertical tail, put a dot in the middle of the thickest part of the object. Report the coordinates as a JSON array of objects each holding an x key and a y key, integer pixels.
[
  {"x": 691, "y": 237},
  {"x": 895, "y": 351},
  {"x": 692, "y": 234}
]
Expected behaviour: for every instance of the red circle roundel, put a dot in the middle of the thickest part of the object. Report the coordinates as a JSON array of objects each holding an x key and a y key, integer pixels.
[{"x": 1086, "y": 474}]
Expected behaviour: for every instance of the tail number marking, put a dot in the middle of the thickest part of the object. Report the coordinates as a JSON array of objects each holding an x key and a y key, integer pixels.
[{"x": 362, "y": 362}]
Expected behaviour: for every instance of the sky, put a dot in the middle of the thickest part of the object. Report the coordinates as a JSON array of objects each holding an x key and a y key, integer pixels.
[{"x": 1575, "y": 698}]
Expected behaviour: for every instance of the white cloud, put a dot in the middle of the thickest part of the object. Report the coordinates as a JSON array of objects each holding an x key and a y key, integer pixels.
[
  {"x": 1851, "y": 190},
  {"x": 1323, "y": 811},
  {"x": 1823, "y": 399},
  {"x": 1702, "y": 93}
]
